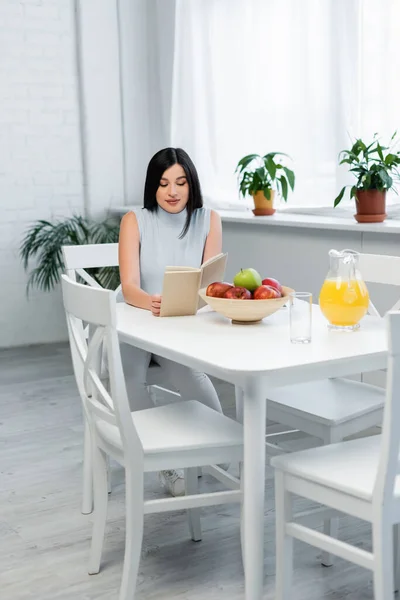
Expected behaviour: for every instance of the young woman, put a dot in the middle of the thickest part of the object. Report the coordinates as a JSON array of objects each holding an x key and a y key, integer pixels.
[{"x": 172, "y": 228}]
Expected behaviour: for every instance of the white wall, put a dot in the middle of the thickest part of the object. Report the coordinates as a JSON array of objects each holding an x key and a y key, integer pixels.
[
  {"x": 42, "y": 109},
  {"x": 40, "y": 161}
]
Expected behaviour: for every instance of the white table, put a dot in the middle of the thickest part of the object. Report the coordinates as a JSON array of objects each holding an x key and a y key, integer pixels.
[{"x": 255, "y": 358}]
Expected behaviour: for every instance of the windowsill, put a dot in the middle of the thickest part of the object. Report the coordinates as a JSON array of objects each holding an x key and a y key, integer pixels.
[
  {"x": 305, "y": 218},
  {"x": 310, "y": 221}
]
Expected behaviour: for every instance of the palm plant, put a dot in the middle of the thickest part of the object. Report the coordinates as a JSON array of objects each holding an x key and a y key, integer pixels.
[{"x": 43, "y": 241}]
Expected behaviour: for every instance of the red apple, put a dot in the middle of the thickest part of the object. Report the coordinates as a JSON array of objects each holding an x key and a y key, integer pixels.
[
  {"x": 218, "y": 289},
  {"x": 273, "y": 283},
  {"x": 266, "y": 292},
  {"x": 238, "y": 293}
]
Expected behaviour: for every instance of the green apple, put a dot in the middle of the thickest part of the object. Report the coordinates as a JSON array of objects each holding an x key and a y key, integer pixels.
[{"x": 247, "y": 278}]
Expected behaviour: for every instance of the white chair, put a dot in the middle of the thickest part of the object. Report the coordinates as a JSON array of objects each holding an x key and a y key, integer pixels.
[
  {"x": 79, "y": 258},
  {"x": 76, "y": 260},
  {"x": 359, "y": 478},
  {"x": 333, "y": 409},
  {"x": 140, "y": 441}
]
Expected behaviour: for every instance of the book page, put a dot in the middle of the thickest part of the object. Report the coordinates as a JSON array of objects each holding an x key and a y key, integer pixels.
[
  {"x": 212, "y": 270},
  {"x": 212, "y": 260},
  {"x": 182, "y": 269},
  {"x": 180, "y": 293}
]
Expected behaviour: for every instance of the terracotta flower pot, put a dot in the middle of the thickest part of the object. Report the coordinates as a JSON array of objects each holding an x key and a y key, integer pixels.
[
  {"x": 370, "y": 206},
  {"x": 262, "y": 206}
]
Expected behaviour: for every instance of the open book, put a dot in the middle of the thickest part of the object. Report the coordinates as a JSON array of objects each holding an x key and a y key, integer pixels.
[{"x": 180, "y": 293}]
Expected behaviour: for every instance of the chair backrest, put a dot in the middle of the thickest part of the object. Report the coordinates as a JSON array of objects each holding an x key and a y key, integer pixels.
[
  {"x": 97, "y": 307},
  {"x": 88, "y": 256},
  {"x": 389, "y": 467},
  {"x": 377, "y": 268}
]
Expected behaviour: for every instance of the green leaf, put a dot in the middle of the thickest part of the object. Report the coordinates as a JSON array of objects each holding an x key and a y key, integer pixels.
[
  {"x": 272, "y": 154},
  {"x": 290, "y": 177},
  {"x": 379, "y": 151},
  {"x": 107, "y": 277},
  {"x": 267, "y": 193},
  {"x": 392, "y": 160},
  {"x": 385, "y": 178},
  {"x": 339, "y": 197},
  {"x": 245, "y": 161},
  {"x": 358, "y": 147},
  {"x": 284, "y": 187},
  {"x": 271, "y": 167},
  {"x": 260, "y": 172}
]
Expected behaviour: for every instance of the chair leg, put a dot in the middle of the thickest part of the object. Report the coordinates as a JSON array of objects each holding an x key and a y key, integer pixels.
[
  {"x": 396, "y": 557},
  {"x": 191, "y": 487},
  {"x": 134, "y": 533},
  {"x": 382, "y": 541},
  {"x": 284, "y": 542},
  {"x": 109, "y": 475},
  {"x": 242, "y": 529},
  {"x": 87, "y": 491},
  {"x": 239, "y": 403},
  {"x": 331, "y": 526},
  {"x": 100, "y": 509}
]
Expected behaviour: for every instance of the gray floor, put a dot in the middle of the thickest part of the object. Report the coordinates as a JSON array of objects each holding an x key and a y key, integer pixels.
[{"x": 44, "y": 539}]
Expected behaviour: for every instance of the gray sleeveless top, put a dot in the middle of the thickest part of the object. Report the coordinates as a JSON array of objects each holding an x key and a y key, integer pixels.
[{"x": 160, "y": 245}]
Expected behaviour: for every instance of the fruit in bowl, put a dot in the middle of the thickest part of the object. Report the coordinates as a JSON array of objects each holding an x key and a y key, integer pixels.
[
  {"x": 247, "y": 278},
  {"x": 264, "y": 292},
  {"x": 264, "y": 301},
  {"x": 218, "y": 289},
  {"x": 238, "y": 293},
  {"x": 274, "y": 283}
]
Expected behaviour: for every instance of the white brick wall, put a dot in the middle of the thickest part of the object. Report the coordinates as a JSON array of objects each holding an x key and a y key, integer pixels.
[{"x": 40, "y": 155}]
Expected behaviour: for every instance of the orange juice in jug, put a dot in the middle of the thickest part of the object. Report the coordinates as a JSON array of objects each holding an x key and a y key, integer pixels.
[{"x": 344, "y": 297}]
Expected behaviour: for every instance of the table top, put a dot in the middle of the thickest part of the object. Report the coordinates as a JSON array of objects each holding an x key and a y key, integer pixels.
[{"x": 211, "y": 342}]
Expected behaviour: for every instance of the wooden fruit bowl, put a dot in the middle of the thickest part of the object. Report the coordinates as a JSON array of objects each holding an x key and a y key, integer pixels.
[{"x": 246, "y": 311}]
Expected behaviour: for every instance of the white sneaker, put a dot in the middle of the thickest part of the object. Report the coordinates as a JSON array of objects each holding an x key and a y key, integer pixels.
[{"x": 173, "y": 481}]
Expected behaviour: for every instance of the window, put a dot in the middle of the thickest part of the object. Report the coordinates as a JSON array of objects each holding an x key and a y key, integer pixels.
[{"x": 300, "y": 76}]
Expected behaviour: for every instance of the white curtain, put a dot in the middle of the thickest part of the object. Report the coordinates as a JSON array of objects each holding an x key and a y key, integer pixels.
[{"x": 299, "y": 76}]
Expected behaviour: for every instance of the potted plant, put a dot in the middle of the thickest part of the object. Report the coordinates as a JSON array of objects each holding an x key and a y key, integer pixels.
[
  {"x": 376, "y": 169},
  {"x": 43, "y": 240},
  {"x": 261, "y": 176}
]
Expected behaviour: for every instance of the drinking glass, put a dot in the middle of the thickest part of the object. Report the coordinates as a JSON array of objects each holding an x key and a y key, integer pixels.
[{"x": 300, "y": 312}]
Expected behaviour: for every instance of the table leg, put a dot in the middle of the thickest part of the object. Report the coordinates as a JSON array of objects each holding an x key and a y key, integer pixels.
[{"x": 255, "y": 407}]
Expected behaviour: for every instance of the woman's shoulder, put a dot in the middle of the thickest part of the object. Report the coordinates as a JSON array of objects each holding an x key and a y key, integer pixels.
[
  {"x": 129, "y": 218},
  {"x": 137, "y": 220},
  {"x": 142, "y": 215},
  {"x": 139, "y": 212}
]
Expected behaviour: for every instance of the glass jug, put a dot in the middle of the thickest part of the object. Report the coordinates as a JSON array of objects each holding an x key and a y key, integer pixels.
[{"x": 344, "y": 297}]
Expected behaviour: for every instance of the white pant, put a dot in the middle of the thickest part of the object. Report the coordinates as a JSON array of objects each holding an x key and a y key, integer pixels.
[{"x": 191, "y": 384}]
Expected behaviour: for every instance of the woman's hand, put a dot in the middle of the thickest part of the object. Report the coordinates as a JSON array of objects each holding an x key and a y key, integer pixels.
[{"x": 155, "y": 305}]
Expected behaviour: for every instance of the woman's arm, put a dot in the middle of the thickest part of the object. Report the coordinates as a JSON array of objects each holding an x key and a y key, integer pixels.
[
  {"x": 213, "y": 245},
  {"x": 128, "y": 250}
]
